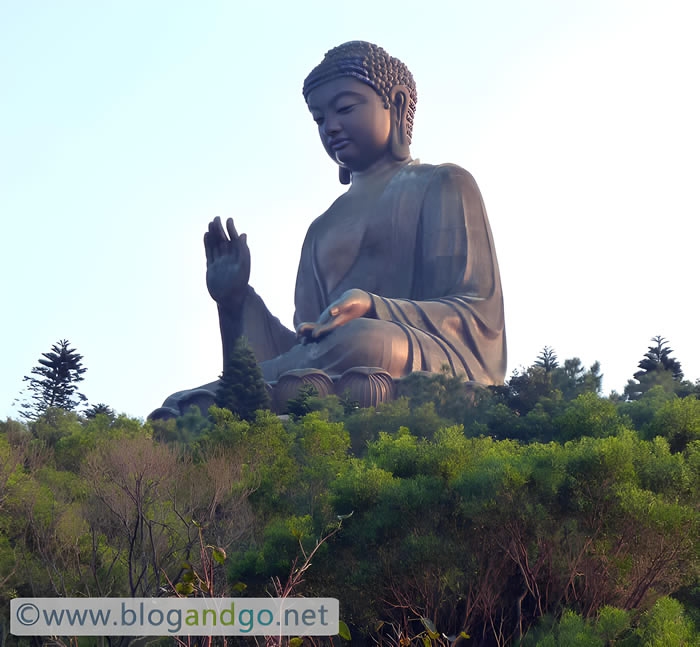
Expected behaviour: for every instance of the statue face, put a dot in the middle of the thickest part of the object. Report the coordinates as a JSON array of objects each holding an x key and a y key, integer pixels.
[{"x": 353, "y": 123}]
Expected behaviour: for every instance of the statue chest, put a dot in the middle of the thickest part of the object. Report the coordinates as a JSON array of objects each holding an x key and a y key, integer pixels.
[{"x": 353, "y": 250}]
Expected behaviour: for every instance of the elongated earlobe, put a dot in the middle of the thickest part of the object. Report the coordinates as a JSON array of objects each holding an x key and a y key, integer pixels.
[
  {"x": 344, "y": 175},
  {"x": 399, "y": 146},
  {"x": 398, "y": 139}
]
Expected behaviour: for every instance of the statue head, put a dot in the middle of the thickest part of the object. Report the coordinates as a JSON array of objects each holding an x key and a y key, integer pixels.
[{"x": 359, "y": 62}]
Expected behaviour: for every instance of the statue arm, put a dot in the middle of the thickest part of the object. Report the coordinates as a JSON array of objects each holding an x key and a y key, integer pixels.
[
  {"x": 264, "y": 332},
  {"x": 241, "y": 310}
]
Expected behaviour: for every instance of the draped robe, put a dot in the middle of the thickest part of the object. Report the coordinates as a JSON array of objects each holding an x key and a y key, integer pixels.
[{"x": 426, "y": 256}]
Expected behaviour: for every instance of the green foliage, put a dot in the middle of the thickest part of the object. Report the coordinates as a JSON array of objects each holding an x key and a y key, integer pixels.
[
  {"x": 677, "y": 420},
  {"x": 692, "y": 456},
  {"x": 187, "y": 430},
  {"x": 573, "y": 379},
  {"x": 684, "y": 388},
  {"x": 321, "y": 451},
  {"x": 517, "y": 509},
  {"x": 571, "y": 630},
  {"x": 550, "y": 507},
  {"x": 242, "y": 389},
  {"x": 642, "y": 411},
  {"x": 398, "y": 453},
  {"x": 365, "y": 425},
  {"x": 358, "y": 486},
  {"x": 448, "y": 394},
  {"x": 56, "y": 384},
  {"x": 528, "y": 387},
  {"x": 666, "y": 625},
  {"x": 53, "y": 425},
  {"x": 612, "y": 623},
  {"x": 547, "y": 381},
  {"x": 333, "y": 408},
  {"x": 527, "y": 408},
  {"x": 589, "y": 415},
  {"x": 265, "y": 449},
  {"x": 279, "y": 549},
  {"x": 190, "y": 427}
]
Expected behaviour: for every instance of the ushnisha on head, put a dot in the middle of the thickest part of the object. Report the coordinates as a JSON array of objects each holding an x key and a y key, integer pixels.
[{"x": 390, "y": 79}]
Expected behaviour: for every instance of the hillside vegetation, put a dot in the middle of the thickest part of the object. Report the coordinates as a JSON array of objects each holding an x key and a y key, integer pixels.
[{"x": 537, "y": 513}]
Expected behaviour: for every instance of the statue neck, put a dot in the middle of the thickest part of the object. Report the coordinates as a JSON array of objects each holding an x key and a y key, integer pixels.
[{"x": 379, "y": 173}]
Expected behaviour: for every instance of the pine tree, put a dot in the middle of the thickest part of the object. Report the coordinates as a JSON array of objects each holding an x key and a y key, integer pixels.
[
  {"x": 301, "y": 405},
  {"x": 100, "y": 409},
  {"x": 547, "y": 359},
  {"x": 658, "y": 358},
  {"x": 657, "y": 367},
  {"x": 242, "y": 388},
  {"x": 57, "y": 382}
]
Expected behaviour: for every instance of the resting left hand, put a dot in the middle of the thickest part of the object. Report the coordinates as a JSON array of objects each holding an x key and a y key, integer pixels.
[{"x": 351, "y": 305}]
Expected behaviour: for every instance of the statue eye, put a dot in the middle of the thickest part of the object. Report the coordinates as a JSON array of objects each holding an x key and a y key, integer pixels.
[{"x": 345, "y": 109}]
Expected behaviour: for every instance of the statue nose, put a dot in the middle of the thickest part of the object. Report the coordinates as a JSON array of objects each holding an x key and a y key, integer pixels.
[{"x": 331, "y": 126}]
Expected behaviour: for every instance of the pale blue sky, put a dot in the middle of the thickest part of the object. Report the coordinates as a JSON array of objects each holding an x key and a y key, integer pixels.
[{"x": 126, "y": 126}]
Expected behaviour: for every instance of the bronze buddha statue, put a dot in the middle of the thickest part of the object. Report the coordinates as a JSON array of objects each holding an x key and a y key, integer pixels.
[{"x": 399, "y": 274}]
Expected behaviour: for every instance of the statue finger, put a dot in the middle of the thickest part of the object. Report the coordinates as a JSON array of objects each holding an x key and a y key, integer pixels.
[
  {"x": 305, "y": 328},
  {"x": 326, "y": 315},
  {"x": 328, "y": 324},
  {"x": 213, "y": 236},
  {"x": 215, "y": 226},
  {"x": 321, "y": 331},
  {"x": 243, "y": 245},
  {"x": 231, "y": 228},
  {"x": 217, "y": 230},
  {"x": 218, "y": 237}
]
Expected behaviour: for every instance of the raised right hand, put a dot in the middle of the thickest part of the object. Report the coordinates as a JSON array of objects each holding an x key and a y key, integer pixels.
[{"x": 228, "y": 264}]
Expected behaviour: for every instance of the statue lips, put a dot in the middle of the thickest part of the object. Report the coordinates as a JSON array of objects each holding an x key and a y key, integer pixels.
[{"x": 338, "y": 144}]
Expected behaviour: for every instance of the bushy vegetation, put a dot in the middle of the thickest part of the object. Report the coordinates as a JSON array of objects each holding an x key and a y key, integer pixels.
[{"x": 538, "y": 513}]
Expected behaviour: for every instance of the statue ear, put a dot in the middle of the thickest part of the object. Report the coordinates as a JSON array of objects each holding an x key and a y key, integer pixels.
[{"x": 398, "y": 104}]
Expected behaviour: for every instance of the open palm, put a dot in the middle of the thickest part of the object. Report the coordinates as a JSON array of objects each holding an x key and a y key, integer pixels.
[{"x": 228, "y": 263}]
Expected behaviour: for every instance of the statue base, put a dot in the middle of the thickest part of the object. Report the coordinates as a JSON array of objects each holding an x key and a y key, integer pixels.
[{"x": 367, "y": 386}]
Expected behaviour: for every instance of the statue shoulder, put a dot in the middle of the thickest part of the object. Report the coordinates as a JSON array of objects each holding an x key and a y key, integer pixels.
[
  {"x": 444, "y": 175},
  {"x": 453, "y": 192},
  {"x": 454, "y": 174}
]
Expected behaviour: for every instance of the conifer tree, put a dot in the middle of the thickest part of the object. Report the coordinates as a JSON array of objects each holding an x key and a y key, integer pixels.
[
  {"x": 301, "y": 405},
  {"x": 547, "y": 359},
  {"x": 242, "y": 389},
  {"x": 657, "y": 367},
  {"x": 56, "y": 384},
  {"x": 658, "y": 358},
  {"x": 100, "y": 409}
]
